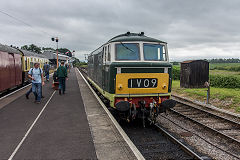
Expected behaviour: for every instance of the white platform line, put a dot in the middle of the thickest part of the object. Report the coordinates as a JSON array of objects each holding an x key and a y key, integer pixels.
[
  {"x": 134, "y": 149},
  {"x": 15, "y": 91},
  {"x": 50, "y": 75},
  {"x": 29, "y": 130}
]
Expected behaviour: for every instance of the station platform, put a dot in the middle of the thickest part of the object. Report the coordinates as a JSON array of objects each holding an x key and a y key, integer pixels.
[{"x": 70, "y": 126}]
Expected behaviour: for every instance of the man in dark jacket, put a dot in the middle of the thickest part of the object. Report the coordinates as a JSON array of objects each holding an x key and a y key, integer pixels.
[
  {"x": 61, "y": 75},
  {"x": 46, "y": 68}
]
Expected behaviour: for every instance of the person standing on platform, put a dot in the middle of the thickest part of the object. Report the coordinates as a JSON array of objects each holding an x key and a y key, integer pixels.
[
  {"x": 36, "y": 75},
  {"x": 66, "y": 66},
  {"x": 62, "y": 76},
  {"x": 46, "y": 68}
]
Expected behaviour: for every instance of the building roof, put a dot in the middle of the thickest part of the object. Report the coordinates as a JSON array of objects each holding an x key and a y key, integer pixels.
[
  {"x": 52, "y": 55},
  {"x": 134, "y": 37}
]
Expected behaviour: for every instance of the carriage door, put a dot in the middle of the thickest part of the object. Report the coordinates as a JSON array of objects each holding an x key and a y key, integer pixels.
[{"x": 12, "y": 71}]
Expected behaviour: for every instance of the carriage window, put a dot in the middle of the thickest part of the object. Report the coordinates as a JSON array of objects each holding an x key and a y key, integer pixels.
[
  {"x": 26, "y": 64},
  {"x": 127, "y": 51},
  {"x": 31, "y": 64},
  {"x": 154, "y": 52}
]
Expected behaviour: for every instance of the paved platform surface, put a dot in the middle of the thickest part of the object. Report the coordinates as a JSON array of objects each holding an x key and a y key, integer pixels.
[
  {"x": 70, "y": 126},
  {"x": 109, "y": 144},
  {"x": 61, "y": 132}
]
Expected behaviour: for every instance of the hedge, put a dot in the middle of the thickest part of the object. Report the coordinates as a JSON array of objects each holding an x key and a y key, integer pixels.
[
  {"x": 223, "y": 81},
  {"x": 228, "y": 68},
  {"x": 176, "y": 73}
]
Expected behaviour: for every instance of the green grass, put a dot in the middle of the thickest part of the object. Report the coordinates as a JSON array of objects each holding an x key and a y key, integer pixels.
[
  {"x": 223, "y": 72},
  {"x": 214, "y": 65},
  {"x": 220, "y": 97},
  {"x": 225, "y": 66}
]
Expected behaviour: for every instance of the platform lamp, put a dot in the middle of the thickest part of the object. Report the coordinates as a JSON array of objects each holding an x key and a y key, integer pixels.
[{"x": 56, "y": 39}]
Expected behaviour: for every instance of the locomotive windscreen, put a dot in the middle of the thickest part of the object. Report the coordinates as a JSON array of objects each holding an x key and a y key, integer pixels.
[
  {"x": 127, "y": 51},
  {"x": 154, "y": 52}
]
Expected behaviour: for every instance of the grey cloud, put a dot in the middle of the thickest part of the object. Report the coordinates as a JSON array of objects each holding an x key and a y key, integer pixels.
[{"x": 85, "y": 25}]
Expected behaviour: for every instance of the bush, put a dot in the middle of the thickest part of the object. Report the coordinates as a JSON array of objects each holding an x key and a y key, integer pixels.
[
  {"x": 221, "y": 81},
  {"x": 228, "y": 68},
  {"x": 176, "y": 72}
]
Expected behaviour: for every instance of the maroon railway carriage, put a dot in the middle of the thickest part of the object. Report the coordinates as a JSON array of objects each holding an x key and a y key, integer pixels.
[{"x": 10, "y": 67}]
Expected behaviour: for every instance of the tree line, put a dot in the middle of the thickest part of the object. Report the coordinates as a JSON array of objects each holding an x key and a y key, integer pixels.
[
  {"x": 39, "y": 50},
  {"x": 224, "y": 60},
  {"x": 216, "y": 60}
]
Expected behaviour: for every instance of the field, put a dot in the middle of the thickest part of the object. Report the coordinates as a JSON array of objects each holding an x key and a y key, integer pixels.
[
  {"x": 225, "y": 66},
  {"x": 225, "y": 89}
]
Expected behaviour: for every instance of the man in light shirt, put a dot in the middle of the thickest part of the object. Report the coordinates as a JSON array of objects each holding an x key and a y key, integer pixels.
[{"x": 36, "y": 75}]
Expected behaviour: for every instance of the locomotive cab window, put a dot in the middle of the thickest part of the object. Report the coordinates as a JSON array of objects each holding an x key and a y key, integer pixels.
[
  {"x": 127, "y": 51},
  {"x": 154, "y": 52}
]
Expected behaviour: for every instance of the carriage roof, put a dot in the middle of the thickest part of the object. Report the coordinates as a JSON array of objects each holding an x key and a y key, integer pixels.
[
  {"x": 5, "y": 48},
  {"x": 33, "y": 54}
]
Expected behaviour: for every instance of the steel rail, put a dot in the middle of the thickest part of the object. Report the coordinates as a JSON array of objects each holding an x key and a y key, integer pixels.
[
  {"x": 207, "y": 106},
  {"x": 233, "y": 155},
  {"x": 205, "y": 126},
  {"x": 176, "y": 141},
  {"x": 209, "y": 113}
]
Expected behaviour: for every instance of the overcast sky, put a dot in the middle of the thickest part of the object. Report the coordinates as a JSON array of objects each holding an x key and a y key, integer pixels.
[{"x": 193, "y": 29}]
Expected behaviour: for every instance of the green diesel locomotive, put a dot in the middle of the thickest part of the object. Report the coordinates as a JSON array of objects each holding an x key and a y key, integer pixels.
[{"x": 133, "y": 74}]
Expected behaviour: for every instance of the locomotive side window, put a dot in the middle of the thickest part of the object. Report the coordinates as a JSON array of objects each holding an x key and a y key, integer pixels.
[
  {"x": 106, "y": 50},
  {"x": 154, "y": 52},
  {"x": 104, "y": 54},
  {"x": 127, "y": 51},
  {"x": 109, "y": 55}
]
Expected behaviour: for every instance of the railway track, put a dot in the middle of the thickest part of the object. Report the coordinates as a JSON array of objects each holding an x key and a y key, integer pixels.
[
  {"x": 154, "y": 142},
  {"x": 225, "y": 126},
  {"x": 209, "y": 108}
]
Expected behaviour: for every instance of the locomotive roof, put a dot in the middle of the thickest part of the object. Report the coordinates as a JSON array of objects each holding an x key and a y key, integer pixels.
[
  {"x": 134, "y": 37},
  {"x": 5, "y": 48},
  {"x": 131, "y": 37}
]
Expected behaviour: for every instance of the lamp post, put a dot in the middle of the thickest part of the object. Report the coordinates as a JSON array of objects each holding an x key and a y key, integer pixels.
[{"x": 56, "y": 39}]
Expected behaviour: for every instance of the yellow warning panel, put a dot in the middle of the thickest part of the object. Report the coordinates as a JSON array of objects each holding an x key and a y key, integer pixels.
[{"x": 141, "y": 83}]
